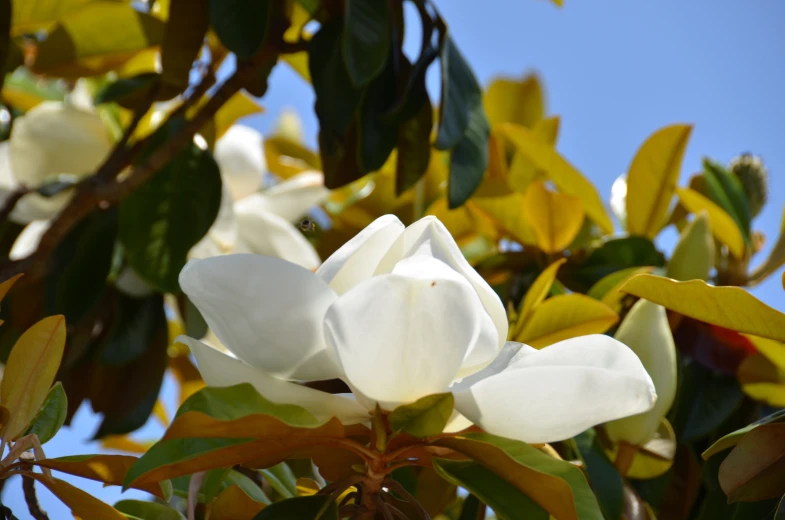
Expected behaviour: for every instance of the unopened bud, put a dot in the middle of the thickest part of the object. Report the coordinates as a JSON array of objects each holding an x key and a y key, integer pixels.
[
  {"x": 693, "y": 257},
  {"x": 754, "y": 179},
  {"x": 289, "y": 126}
]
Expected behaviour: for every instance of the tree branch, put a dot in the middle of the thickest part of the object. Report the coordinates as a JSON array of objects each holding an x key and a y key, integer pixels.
[{"x": 28, "y": 487}]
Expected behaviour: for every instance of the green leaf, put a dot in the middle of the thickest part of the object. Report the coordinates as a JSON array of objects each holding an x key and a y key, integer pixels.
[
  {"x": 604, "y": 478},
  {"x": 366, "y": 39},
  {"x": 726, "y": 191},
  {"x": 468, "y": 159},
  {"x": 213, "y": 484},
  {"x": 129, "y": 92},
  {"x": 95, "y": 39},
  {"x": 608, "y": 282},
  {"x": 175, "y": 451},
  {"x": 170, "y": 213},
  {"x": 281, "y": 479},
  {"x": 137, "y": 322},
  {"x": 147, "y": 510},
  {"x": 235, "y": 478},
  {"x": 51, "y": 415},
  {"x": 425, "y": 417},
  {"x": 504, "y": 498},
  {"x": 315, "y": 507},
  {"x": 233, "y": 402},
  {"x": 183, "y": 39},
  {"x": 414, "y": 148},
  {"x": 732, "y": 439},
  {"x": 241, "y": 25},
  {"x": 377, "y": 136},
  {"x": 472, "y": 509}
]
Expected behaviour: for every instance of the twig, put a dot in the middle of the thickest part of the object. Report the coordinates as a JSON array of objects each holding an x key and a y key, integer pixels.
[{"x": 28, "y": 487}]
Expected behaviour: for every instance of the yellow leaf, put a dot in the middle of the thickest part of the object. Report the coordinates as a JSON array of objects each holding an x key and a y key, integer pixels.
[
  {"x": 159, "y": 410},
  {"x": 298, "y": 61},
  {"x": 234, "y": 504},
  {"x": 564, "y": 175},
  {"x": 463, "y": 223},
  {"x": 514, "y": 101},
  {"x": 723, "y": 227},
  {"x": 307, "y": 487},
  {"x": 555, "y": 218},
  {"x": 548, "y": 129},
  {"x": 729, "y": 307},
  {"x": 761, "y": 379},
  {"x": 95, "y": 39},
  {"x": 773, "y": 350},
  {"x": 238, "y": 106},
  {"x": 81, "y": 504},
  {"x": 286, "y": 158},
  {"x": 124, "y": 443},
  {"x": 31, "y": 15},
  {"x": 509, "y": 216},
  {"x": 536, "y": 294},
  {"x": 613, "y": 298},
  {"x": 523, "y": 171},
  {"x": 143, "y": 62},
  {"x": 566, "y": 316},
  {"x": 652, "y": 179},
  {"x": 30, "y": 372},
  {"x": 495, "y": 182},
  {"x": 6, "y": 286}
]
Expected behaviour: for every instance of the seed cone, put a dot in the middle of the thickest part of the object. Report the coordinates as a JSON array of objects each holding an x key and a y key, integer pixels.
[{"x": 754, "y": 179}]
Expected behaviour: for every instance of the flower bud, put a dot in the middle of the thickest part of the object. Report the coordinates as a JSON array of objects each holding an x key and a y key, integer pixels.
[
  {"x": 646, "y": 331},
  {"x": 693, "y": 256},
  {"x": 754, "y": 179},
  {"x": 289, "y": 125}
]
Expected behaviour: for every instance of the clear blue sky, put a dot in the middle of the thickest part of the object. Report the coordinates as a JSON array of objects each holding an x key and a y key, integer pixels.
[{"x": 615, "y": 70}]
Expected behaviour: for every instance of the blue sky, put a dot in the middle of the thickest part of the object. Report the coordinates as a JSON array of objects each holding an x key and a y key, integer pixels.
[{"x": 615, "y": 71}]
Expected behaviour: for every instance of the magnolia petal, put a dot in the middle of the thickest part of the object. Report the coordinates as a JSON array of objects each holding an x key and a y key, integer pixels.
[
  {"x": 27, "y": 241},
  {"x": 429, "y": 237},
  {"x": 268, "y": 234},
  {"x": 456, "y": 423},
  {"x": 7, "y": 179},
  {"x": 555, "y": 393},
  {"x": 357, "y": 259},
  {"x": 511, "y": 352},
  {"x": 266, "y": 311},
  {"x": 221, "y": 238},
  {"x": 292, "y": 198},
  {"x": 220, "y": 369},
  {"x": 240, "y": 156},
  {"x": 129, "y": 282},
  {"x": 403, "y": 335}
]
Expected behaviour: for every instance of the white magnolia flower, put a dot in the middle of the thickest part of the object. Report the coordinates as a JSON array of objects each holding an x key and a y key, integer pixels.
[
  {"x": 251, "y": 221},
  {"x": 399, "y": 314}
]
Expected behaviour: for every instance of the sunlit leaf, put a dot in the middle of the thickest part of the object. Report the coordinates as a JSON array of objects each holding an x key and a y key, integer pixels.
[
  {"x": 753, "y": 470},
  {"x": 722, "y": 225},
  {"x": 652, "y": 179},
  {"x": 234, "y": 504},
  {"x": 147, "y": 510},
  {"x": 81, "y": 504},
  {"x": 775, "y": 260},
  {"x": 536, "y": 294},
  {"x": 30, "y": 372},
  {"x": 566, "y": 316},
  {"x": 554, "y": 217},
  {"x": 566, "y": 178},
  {"x": 6, "y": 285},
  {"x": 425, "y": 417},
  {"x": 653, "y": 458},
  {"x": 50, "y": 416},
  {"x": 509, "y": 215},
  {"x": 463, "y": 223},
  {"x": 729, "y": 307},
  {"x": 96, "y": 39},
  {"x": 607, "y": 289},
  {"x": 238, "y": 106},
  {"x": 514, "y": 101},
  {"x": 281, "y": 479},
  {"x": 32, "y": 15}
]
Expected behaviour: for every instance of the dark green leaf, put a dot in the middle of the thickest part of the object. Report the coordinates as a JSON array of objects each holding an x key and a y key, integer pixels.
[
  {"x": 213, "y": 483},
  {"x": 472, "y": 509},
  {"x": 80, "y": 265},
  {"x": 506, "y": 500},
  {"x": 241, "y": 25},
  {"x": 377, "y": 135},
  {"x": 147, "y": 510},
  {"x": 726, "y": 191},
  {"x": 604, "y": 478},
  {"x": 170, "y": 213},
  {"x": 281, "y": 479},
  {"x": 184, "y": 35},
  {"x": 310, "y": 5},
  {"x": 461, "y": 93},
  {"x": 315, "y": 507},
  {"x": 235, "y": 478},
  {"x": 425, "y": 417},
  {"x": 366, "y": 39},
  {"x": 414, "y": 147},
  {"x": 469, "y": 159},
  {"x": 195, "y": 326},
  {"x": 50, "y": 416},
  {"x": 130, "y": 92},
  {"x": 233, "y": 402},
  {"x": 137, "y": 322}
]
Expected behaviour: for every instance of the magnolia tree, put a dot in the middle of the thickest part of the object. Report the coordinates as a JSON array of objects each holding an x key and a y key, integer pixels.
[{"x": 433, "y": 315}]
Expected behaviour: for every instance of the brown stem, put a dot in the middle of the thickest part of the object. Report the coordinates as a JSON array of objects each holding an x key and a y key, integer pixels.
[
  {"x": 28, "y": 487},
  {"x": 624, "y": 457}
]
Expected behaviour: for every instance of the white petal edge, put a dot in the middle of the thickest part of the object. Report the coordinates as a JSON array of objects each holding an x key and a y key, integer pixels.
[
  {"x": 402, "y": 336},
  {"x": 357, "y": 259},
  {"x": 240, "y": 157},
  {"x": 221, "y": 238},
  {"x": 294, "y": 197},
  {"x": 555, "y": 393},
  {"x": 265, "y": 233},
  {"x": 27, "y": 241},
  {"x": 220, "y": 369},
  {"x": 268, "y": 312}
]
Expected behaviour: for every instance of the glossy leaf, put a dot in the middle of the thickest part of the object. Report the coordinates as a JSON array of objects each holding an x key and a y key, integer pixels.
[
  {"x": 605, "y": 480},
  {"x": 316, "y": 507},
  {"x": 729, "y": 307},
  {"x": 502, "y": 496},
  {"x": 509, "y": 215},
  {"x": 130, "y": 92},
  {"x": 183, "y": 39},
  {"x": 693, "y": 257},
  {"x": 366, "y": 39},
  {"x": 238, "y": 106},
  {"x": 607, "y": 289},
  {"x": 234, "y": 504},
  {"x": 557, "y": 486},
  {"x": 376, "y": 135},
  {"x": 723, "y": 226},
  {"x": 425, "y": 417},
  {"x": 566, "y": 316},
  {"x": 241, "y": 25},
  {"x": 566, "y": 178},
  {"x": 652, "y": 179},
  {"x": 50, "y": 416},
  {"x": 732, "y": 439},
  {"x": 414, "y": 148},
  {"x": 171, "y": 212},
  {"x": 753, "y": 470},
  {"x": 536, "y": 294},
  {"x": 8, "y": 284},
  {"x": 726, "y": 191},
  {"x": 281, "y": 479},
  {"x": 95, "y": 39},
  {"x": 515, "y": 101},
  {"x": 29, "y": 373},
  {"x": 81, "y": 504},
  {"x": 147, "y": 510},
  {"x": 555, "y": 217},
  {"x": 32, "y": 15}
]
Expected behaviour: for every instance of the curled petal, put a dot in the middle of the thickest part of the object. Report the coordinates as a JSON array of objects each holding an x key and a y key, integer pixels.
[
  {"x": 429, "y": 237},
  {"x": 555, "y": 393},
  {"x": 266, "y": 311},
  {"x": 357, "y": 259},
  {"x": 220, "y": 369},
  {"x": 403, "y": 335},
  {"x": 240, "y": 156},
  {"x": 292, "y": 198},
  {"x": 265, "y": 233}
]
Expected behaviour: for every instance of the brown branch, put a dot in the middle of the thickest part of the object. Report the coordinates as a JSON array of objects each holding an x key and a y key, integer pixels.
[{"x": 28, "y": 487}]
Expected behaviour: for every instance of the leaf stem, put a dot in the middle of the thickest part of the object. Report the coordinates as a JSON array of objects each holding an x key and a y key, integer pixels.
[{"x": 624, "y": 457}]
